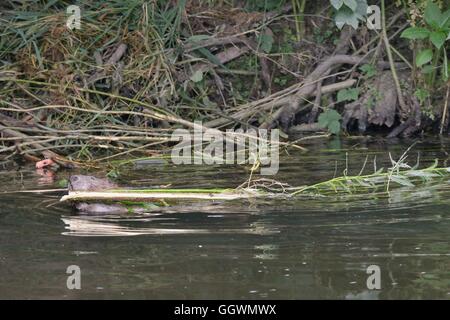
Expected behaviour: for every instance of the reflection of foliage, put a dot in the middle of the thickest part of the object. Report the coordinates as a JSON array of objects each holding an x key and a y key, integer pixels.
[{"x": 433, "y": 281}]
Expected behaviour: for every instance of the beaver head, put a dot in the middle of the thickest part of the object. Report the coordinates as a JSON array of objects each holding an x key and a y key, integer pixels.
[{"x": 89, "y": 183}]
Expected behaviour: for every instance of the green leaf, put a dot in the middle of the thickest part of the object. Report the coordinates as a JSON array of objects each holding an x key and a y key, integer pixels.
[
  {"x": 424, "y": 57},
  {"x": 433, "y": 15},
  {"x": 402, "y": 181},
  {"x": 208, "y": 102},
  {"x": 421, "y": 174},
  {"x": 62, "y": 183},
  {"x": 445, "y": 22},
  {"x": 434, "y": 165},
  {"x": 422, "y": 94},
  {"x": 351, "y": 4},
  {"x": 346, "y": 16},
  {"x": 351, "y": 94},
  {"x": 361, "y": 10},
  {"x": 334, "y": 115},
  {"x": 323, "y": 120},
  {"x": 427, "y": 69},
  {"x": 438, "y": 38},
  {"x": 369, "y": 70},
  {"x": 415, "y": 33},
  {"x": 197, "y": 76},
  {"x": 266, "y": 42},
  {"x": 337, "y": 4},
  {"x": 198, "y": 38},
  {"x": 208, "y": 55},
  {"x": 330, "y": 119},
  {"x": 334, "y": 127}
]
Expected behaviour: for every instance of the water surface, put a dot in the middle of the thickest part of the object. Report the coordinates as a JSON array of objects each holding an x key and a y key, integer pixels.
[{"x": 274, "y": 249}]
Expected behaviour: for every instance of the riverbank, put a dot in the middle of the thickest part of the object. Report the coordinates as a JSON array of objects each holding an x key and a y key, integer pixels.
[{"x": 117, "y": 87}]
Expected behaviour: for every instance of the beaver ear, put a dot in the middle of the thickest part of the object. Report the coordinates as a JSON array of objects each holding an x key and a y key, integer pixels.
[{"x": 74, "y": 178}]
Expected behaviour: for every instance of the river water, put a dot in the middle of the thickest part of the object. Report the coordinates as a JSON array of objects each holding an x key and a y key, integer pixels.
[{"x": 267, "y": 249}]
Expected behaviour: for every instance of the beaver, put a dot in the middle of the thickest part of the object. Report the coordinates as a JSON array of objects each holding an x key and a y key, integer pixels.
[{"x": 91, "y": 183}]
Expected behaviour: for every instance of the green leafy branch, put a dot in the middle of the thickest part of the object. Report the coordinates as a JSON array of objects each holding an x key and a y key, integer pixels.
[
  {"x": 436, "y": 31},
  {"x": 400, "y": 173}
]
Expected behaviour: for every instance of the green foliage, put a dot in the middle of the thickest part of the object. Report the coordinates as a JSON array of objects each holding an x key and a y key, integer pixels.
[
  {"x": 350, "y": 94},
  {"x": 323, "y": 34},
  {"x": 168, "y": 21},
  {"x": 62, "y": 183},
  {"x": 400, "y": 174},
  {"x": 435, "y": 18},
  {"x": 422, "y": 94},
  {"x": 424, "y": 57},
  {"x": 330, "y": 119},
  {"x": 416, "y": 33},
  {"x": 264, "y": 5},
  {"x": 438, "y": 38},
  {"x": 113, "y": 173},
  {"x": 436, "y": 32},
  {"x": 368, "y": 70},
  {"x": 266, "y": 42},
  {"x": 197, "y": 76},
  {"x": 298, "y": 7},
  {"x": 281, "y": 81},
  {"x": 349, "y": 12}
]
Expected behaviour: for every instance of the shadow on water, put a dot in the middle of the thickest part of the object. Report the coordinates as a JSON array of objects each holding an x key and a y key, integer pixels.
[{"x": 301, "y": 248}]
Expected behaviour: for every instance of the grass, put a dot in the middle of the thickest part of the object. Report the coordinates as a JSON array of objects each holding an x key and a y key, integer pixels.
[
  {"x": 379, "y": 180},
  {"x": 51, "y": 66},
  {"x": 58, "y": 81},
  {"x": 400, "y": 173}
]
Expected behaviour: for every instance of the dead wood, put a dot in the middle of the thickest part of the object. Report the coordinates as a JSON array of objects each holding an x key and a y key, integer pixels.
[
  {"x": 306, "y": 127},
  {"x": 223, "y": 57},
  {"x": 284, "y": 116},
  {"x": 411, "y": 125},
  {"x": 274, "y": 102}
]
